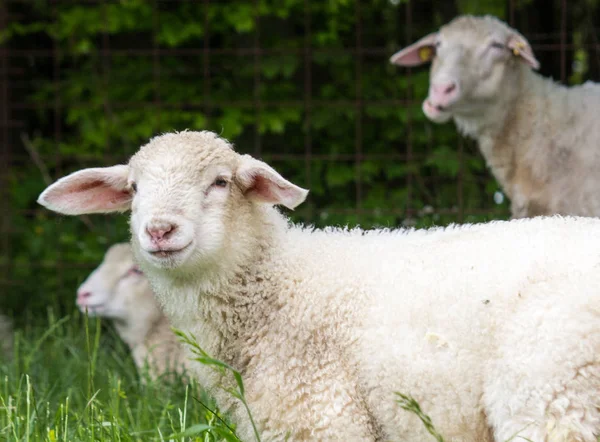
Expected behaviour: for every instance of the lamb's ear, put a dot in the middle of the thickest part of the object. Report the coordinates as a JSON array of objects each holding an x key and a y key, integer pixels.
[
  {"x": 260, "y": 182},
  {"x": 98, "y": 190},
  {"x": 417, "y": 53},
  {"x": 520, "y": 47}
]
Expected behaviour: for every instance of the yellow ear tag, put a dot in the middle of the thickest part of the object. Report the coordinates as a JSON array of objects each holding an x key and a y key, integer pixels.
[
  {"x": 519, "y": 45},
  {"x": 425, "y": 53}
]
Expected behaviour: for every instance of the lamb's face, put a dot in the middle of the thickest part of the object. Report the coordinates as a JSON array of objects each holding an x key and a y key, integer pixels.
[
  {"x": 116, "y": 289},
  {"x": 183, "y": 200},
  {"x": 470, "y": 59},
  {"x": 190, "y": 194}
]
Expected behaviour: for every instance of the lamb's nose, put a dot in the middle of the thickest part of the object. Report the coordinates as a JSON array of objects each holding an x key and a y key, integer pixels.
[
  {"x": 160, "y": 230},
  {"x": 83, "y": 295}
]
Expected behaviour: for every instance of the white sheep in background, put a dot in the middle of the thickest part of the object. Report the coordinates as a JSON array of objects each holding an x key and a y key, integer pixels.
[
  {"x": 118, "y": 290},
  {"x": 492, "y": 328},
  {"x": 540, "y": 139}
]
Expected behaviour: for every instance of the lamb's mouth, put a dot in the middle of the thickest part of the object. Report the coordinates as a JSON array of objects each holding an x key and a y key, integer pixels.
[
  {"x": 91, "y": 308},
  {"x": 437, "y": 113},
  {"x": 438, "y": 107},
  {"x": 168, "y": 253}
]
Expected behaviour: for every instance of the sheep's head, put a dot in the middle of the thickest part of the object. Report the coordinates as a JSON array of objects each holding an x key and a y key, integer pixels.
[
  {"x": 117, "y": 289},
  {"x": 470, "y": 59},
  {"x": 190, "y": 194}
]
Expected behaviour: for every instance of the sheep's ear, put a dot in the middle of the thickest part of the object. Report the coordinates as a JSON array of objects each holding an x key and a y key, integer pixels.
[
  {"x": 417, "y": 53},
  {"x": 98, "y": 190},
  {"x": 520, "y": 47},
  {"x": 260, "y": 182}
]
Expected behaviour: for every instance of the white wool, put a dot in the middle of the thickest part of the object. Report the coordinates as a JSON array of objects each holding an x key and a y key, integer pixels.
[
  {"x": 492, "y": 328},
  {"x": 117, "y": 290},
  {"x": 539, "y": 138}
]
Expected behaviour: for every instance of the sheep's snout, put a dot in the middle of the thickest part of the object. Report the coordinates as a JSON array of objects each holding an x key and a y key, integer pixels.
[
  {"x": 435, "y": 114},
  {"x": 443, "y": 94},
  {"x": 82, "y": 297},
  {"x": 87, "y": 300},
  {"x": 160, "y": 231},
  {"x": 165, "y": 238}
]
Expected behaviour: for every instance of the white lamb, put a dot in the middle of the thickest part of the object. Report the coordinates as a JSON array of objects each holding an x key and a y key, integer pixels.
[
  {"x": 118, "y": 290},
  {"x": 540, "y": 139},
  {"x": 493, "y": 328}
]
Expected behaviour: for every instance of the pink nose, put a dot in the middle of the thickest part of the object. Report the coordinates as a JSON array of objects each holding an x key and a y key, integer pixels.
[
  {"x": 81, "y": 296},
  {"x": 160, "y": 230},
  {"x": 443, "y": 94}
]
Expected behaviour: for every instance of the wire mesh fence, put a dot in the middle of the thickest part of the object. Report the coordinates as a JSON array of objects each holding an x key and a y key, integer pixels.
[{"x": 304, "y": 85}]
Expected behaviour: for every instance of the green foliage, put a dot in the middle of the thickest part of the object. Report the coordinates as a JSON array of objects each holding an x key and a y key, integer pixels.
[
  {"x": 481, "y": 7},
  {"x": 126, "y": 70},
  {"x": 68, "y": 380},
  {"x": 239, "y": 392},
  {"x": 409, "y": 403}
]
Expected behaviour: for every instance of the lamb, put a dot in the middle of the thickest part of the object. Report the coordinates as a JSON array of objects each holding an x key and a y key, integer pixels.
[
  {"x": 539, "y": 138},
  {"x": 492, "y": 328},
  {"x": 118, "y": 290}
]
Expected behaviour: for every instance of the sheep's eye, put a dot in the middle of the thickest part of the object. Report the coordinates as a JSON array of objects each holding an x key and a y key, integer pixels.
[
  {"x": 497, "y": 45},
  {"x": 134, "y": 187},
  {"x": 438, "y": 44},
  {"x": 220, "y": 182}
]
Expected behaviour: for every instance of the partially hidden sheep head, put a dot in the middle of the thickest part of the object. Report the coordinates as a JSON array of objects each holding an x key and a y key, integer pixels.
[
  {"x": 470, "y": 57},
  {"x": 118, "y": 290},
  {"x": 189, "y": 194}
]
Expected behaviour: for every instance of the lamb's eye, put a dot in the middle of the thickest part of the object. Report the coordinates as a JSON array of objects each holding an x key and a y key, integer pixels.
[
  {"x": 497, "y": 45},
  {"x": 220, "y": 182},
  {"x": 134, "y": 187},
  {"x": 438, "y": 44}
]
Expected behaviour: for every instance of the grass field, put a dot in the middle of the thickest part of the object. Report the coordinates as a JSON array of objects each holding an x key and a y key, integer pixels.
[{"x": 72, "y": 379}]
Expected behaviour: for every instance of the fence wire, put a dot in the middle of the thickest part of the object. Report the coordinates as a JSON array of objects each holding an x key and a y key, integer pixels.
[{"x": 465, "y": 193}]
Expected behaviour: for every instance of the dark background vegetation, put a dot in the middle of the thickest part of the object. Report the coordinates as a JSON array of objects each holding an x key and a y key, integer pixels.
[{"x": 303, "y": 84}]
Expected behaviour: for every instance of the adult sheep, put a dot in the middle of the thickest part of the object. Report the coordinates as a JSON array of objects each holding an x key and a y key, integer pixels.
[
  {"x": 485, "y": 325},
  {"x": 539, "y": 138},
  {"x": 118, "y": 290}
]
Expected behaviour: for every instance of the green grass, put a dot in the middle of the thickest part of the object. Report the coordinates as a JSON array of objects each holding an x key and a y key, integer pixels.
[
  {"x": 409, "y": 403},
  {"x": 71, "y": 379},
  {"x": 237, "y": 392}
]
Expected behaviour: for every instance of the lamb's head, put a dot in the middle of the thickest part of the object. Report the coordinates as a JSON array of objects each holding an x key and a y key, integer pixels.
[
  {"x": 117, "y": 289},
  {"x": 191, "y": 197},
  {"x": 472, "y": 58}
]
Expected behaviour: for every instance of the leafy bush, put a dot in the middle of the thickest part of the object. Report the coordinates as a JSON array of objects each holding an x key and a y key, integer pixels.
[{"x": 305, "y": 85}]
